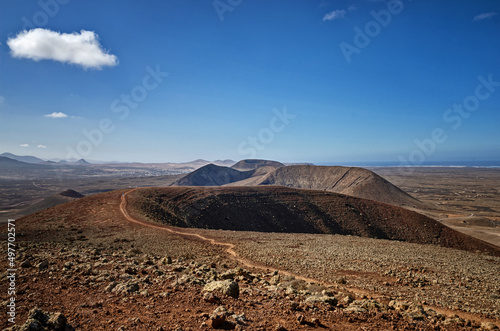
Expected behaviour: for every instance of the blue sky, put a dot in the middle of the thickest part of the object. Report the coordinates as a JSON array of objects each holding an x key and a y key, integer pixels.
[{"x": 295, "y": 81}]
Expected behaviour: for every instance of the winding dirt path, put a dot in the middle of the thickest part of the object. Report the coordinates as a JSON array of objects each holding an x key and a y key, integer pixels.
[
  {"x": 250, "y": 264},
  {"x": 229, "y": 247}
]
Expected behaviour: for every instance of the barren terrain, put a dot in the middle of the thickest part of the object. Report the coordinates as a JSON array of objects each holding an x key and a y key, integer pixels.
[
  {"x": 466, "y": 199},
  {"x": 88, "y": 261}
]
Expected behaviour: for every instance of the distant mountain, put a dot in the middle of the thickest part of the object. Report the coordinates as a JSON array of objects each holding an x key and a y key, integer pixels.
[
  {"x": 212, "y": 175},
  {"x": 70, "y": 161},
  {"x": 202, "y": 162},
  {"x": 25, "y": 158},
  {"x": 8, "y": 163},
  {"x": 252, "y": 164},
  {"x": 82, "y": 161}
]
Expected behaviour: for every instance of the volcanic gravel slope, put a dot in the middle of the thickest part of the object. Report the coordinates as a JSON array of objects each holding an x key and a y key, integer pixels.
[
  {"x": 280, "y": 209},
  {"x": 353, "y": 181},
  {"x": 86, "y": 264}
]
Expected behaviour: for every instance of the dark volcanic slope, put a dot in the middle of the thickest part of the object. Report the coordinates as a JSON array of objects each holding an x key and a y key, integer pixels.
[
  {"x": 212, "y": 175},
  {"x": 280, "y": 209},
  {"x": 54, "y": 200},
  {"x": 353, "y": 181},
  {"x": 252, "y": 164}
]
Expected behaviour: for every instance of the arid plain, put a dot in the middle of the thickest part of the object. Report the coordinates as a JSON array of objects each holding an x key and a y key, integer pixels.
[{"x": 102, "y": 262}]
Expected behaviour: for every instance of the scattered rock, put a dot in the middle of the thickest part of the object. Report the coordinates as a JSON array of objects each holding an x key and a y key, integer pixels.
[
  {"x": 26, "y": 264},
  {"x": 280, "y": 327},
  {"x": 488, "y": 326},
  {"x": 130, "y": 287},
  {"x": 226, "y": 287},
  {"x": 42, "y": 321},
  {"x": 111, "y": 286},
  {"x": 301, "y": 319},
  {"x": 313, "y": 299},
  {"x": 43, "y": 265},
  {"x": 355, "y": 309},
  {"x": 210, "y": 297},
  {"x": 218, "y": 317}
]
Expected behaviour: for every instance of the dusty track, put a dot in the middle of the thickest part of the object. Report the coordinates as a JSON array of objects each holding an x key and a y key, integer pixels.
[
  {"x": 250, "y": 264},
  {"x": 229, "y": 247}
]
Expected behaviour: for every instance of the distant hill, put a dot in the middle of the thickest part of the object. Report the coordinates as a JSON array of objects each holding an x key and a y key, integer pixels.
[
  {"x": 11, "y": 164},
  {"x": 281, "y": 209},
  {"x": 201, "y": 163},
  {"x": 212, "y": 175},
  {"x": 54, "y": 200},
  {"x": 353, "y": 181},
  {"x": 25, "y": 158},
  {"x": 82, "y": 162},
  {"x": 252, "y": 164}
]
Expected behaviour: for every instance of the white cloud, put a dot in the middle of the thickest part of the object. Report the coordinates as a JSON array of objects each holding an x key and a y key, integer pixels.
[
  {"x": 82, "y": 48},
  {"x": 41, "y": 146},
  {"x": 25, "y": 145},
  {"x": 56, "y": 115},
  {"x": 484, "y": 16},
  {"x": 352, "y": 7},
  {"x": 336, "y": 14}
]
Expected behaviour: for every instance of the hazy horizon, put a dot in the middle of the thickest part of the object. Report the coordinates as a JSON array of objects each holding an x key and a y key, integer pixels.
[{"x": 407, "y": 82}]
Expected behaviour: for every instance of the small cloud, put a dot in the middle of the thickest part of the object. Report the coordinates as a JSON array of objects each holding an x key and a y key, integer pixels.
[
  {"x": 352, "y": 7},
  {"x": 25, "y": 145},
  {"x": 336, "y": 14},
  {"x": 82, "y": 48},
  {"x": 484, "y": 16},
  {"x": 56, "y": 115},
  {"x": 41, "y": 146}
]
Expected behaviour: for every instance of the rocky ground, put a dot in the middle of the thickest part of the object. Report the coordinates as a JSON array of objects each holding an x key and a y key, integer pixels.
[
  {"x": 95, "y": 288},
  {"x": 435, "y": 276},
  {"x": 83, "y": 265}
]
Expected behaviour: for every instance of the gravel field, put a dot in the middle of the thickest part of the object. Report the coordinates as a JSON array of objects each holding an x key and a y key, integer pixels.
[{"x": 432, "y": 275}]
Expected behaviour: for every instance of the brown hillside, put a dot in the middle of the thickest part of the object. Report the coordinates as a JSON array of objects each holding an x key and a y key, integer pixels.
[
  {"x": 54, "y": 200},
  {"x": 353, "y": 181},
  {"x": 280, "y": 209}
]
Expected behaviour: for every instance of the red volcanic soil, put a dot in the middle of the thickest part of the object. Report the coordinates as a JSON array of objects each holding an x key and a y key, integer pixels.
[
  {"x": 105, "y": 270},
  {"x": 280, "y": 209}
]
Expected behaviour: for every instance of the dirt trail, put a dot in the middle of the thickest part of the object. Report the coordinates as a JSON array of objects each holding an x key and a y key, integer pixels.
[
  {"x": 250, "y": 264},
  {"x": 229, "y": 247}
]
